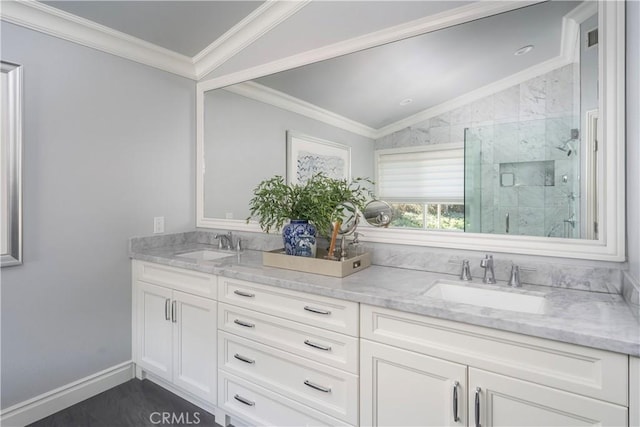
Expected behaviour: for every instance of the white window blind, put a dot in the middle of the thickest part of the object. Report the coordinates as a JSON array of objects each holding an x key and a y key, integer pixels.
[{"x": 426, "y": 176}]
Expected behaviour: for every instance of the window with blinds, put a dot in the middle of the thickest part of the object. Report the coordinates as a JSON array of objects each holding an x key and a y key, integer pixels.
[{"x": 430, "y": 174}]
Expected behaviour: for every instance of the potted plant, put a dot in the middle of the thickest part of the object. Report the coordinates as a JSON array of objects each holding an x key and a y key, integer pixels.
[{"x": 309, "y": 207}]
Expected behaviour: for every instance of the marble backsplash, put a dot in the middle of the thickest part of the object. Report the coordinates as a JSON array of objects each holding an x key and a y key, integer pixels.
[{"x": 567, "y": 273}]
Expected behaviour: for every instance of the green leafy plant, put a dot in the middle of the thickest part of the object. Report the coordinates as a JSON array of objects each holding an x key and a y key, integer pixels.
[{"x": 274, "y": 202}]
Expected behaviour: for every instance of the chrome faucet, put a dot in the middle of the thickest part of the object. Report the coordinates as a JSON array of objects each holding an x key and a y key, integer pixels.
[
  {"x": 465, "y": 273},
  {"x": 225, "y": 241},
  {"x": 489, "y": 274},
  {"x": 515, "y": 277}
]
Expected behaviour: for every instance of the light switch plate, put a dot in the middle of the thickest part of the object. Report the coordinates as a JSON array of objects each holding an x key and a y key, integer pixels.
[{"x": 158, "y": 224}]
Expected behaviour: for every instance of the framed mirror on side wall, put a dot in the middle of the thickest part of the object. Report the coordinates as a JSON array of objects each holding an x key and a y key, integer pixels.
[
  {"x": 481, "y": 134},
  {"x": 11, "y": 164}
]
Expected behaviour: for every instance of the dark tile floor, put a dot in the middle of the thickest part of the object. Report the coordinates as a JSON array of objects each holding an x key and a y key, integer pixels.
[{"x": 132, "y": 404}]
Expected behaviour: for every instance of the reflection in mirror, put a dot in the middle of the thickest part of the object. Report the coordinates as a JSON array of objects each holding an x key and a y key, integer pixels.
[
  {"x": 11, "y": 164},
  {"x": 476, "y": 127},
  {"x": 378, "y": 213},
  {"x": 348, "y": 216}
]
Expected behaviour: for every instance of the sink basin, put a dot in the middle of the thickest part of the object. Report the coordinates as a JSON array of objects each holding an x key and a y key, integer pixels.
[
  {"x": 205, "y": 255},
  {"x": 487, "y": 297}
]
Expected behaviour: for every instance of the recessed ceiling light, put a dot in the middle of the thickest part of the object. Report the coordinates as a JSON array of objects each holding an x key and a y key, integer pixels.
[
  {"x": 406, "y": 101},
  {"x": 523, "y": 50}
]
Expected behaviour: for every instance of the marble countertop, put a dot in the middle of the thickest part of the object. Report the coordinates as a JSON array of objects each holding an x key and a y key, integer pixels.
[{"x": 599, "y": 320}]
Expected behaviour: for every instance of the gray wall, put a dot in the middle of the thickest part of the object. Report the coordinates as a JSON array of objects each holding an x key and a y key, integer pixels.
[
  {"x": 633, "y": 139},
  {"x": 248, "y": 136},
  {"x": 108, "y": 145}
]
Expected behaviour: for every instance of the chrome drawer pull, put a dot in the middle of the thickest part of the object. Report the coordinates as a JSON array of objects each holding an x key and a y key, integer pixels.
[
  {"x": 245, "y": 324},
  {"x": 456, "y": 418},
  {"x": 478, "y": 390},
  {"x": 244, "y": 400},
  {"x": 174, "y": 310},
  {"x": 316, "y": 310},
  {"x": 244, "y": 294},
  {"x": 317, "y": 387},
  {"x": 318, "y": 346},
  {"x": 167, "y": 311},
  {"x": 244, "y": 359}
]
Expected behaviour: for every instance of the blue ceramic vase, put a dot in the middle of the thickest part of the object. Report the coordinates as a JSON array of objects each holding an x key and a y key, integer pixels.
[{"x": 299, "y": 238}]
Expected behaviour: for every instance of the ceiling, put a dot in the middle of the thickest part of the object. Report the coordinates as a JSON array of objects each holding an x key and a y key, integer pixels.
[
  {"x": 429, "y": 69},
  {"x": 208, "y": 39},
  {"x": 235, "y": 34},
  {"x": 185, "y": 27}
]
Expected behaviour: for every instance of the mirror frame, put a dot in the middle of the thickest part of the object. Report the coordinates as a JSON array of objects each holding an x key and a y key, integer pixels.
[
  {"x": 611, "y": 243},
  {"x": 13, "y": 172}
]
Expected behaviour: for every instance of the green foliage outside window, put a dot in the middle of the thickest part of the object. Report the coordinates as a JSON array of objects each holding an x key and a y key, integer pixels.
[{"x": 439, "y": 216}]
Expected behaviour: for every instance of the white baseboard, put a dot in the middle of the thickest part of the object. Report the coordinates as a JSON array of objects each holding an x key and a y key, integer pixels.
[{"x": 56, "y": 400}]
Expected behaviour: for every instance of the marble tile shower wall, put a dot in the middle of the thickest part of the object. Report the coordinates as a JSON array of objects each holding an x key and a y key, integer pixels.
[{"x": 522, "y": 124}]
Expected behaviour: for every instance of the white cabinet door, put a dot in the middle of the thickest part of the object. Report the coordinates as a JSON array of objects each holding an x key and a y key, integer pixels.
[
  {"x": 505, "y": 401},
  {"x": 194, "y": 357},
  {"x": 154, "y": 329},
  {"x": 403, "y": 388}
]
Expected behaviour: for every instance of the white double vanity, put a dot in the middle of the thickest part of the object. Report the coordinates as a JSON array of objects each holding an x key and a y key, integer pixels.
[{"x": 261, "y": 346}]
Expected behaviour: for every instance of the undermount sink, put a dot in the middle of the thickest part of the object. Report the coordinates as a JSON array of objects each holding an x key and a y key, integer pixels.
[
  {"x": 205, "y": 255},
  {"x": 449, "y": 290}
]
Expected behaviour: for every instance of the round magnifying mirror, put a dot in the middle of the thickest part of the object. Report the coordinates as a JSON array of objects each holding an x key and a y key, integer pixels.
[
  {"x": 378, "y": 213},
  {"x": 347, "y": 214}
]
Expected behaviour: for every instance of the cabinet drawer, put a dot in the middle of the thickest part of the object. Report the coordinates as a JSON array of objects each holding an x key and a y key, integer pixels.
[
  {"x": 260, "y": 407},
  {"x": 326, "y": 389},
  {"x": 321, "y": 345},
  {"x": 323, "y": 312},
  {"x": 189, "y": 281},
  {"x": 587, "y": 371},
  {"x": 508, "y": 401}
]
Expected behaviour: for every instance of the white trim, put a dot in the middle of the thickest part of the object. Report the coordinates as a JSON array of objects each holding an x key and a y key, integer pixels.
[
  {"x": 58, "y": 23},
  {"x": 56, "y": 400},
  {"x": 279, "y": 99},
  {"x": 427, "y": 24},
  {"x": 49, "y": 20},
  {"x": 634, "y": 391},
  {"x": 262, "y": 20}
]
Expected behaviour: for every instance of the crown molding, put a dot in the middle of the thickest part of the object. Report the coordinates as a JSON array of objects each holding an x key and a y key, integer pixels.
[
  {"x": 568, "y": 47},
  {"x": 262, "y": 20},
  {"x": 58, "y": 23},
  {"x": 427, "y": 24},
  {"x": 279, "y": 99},
  {"x": 569, "y": 51},
  {"x": 49, "y": 20},
  {"x": 474, "y": 95}
]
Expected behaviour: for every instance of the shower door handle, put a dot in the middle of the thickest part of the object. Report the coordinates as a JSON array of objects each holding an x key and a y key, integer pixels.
[{"x": 506, "y": 223}]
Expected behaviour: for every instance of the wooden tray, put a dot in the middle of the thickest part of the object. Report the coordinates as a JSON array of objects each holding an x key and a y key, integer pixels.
[{"x": 317, "y": 265}]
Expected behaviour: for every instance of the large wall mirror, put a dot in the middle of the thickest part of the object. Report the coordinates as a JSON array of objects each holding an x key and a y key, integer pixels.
[{"x": 498, "y": 132}]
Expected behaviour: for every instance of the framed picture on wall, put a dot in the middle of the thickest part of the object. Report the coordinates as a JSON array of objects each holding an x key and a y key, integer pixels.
[{"x": 307, "y": 156}]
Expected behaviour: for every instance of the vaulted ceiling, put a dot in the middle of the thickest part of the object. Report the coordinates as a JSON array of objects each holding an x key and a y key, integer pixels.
[{"x": 208, "y": 39}]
